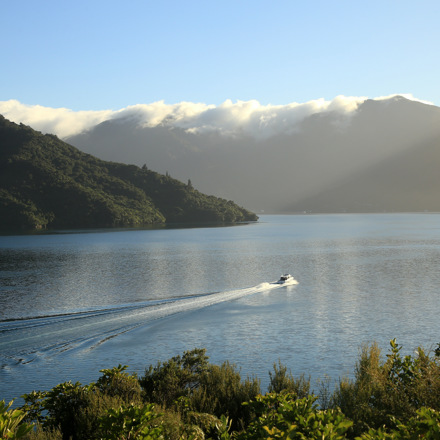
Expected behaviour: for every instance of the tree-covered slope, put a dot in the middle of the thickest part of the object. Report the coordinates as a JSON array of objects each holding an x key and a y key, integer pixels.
[{"x": 46, "y": 183}]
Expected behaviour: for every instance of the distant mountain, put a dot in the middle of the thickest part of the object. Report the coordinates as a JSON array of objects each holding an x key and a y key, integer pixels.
[
  {"x": 47, "y": 183},
  {"x": 408, "y": 181},
  {"x": 315, "y": 166}
]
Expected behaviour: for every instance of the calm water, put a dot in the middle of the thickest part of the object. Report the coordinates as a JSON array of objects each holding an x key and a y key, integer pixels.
[{"x": 71, "y": 304}]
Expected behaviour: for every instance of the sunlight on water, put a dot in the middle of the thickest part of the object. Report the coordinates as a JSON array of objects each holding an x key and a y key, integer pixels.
[{"x": 71, "y": 304}]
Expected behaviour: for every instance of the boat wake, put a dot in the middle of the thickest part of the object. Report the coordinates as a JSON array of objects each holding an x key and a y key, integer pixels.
[{"x": 25, "y": 340}]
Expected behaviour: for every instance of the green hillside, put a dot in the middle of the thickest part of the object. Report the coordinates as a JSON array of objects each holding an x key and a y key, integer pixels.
[{"x": 48, "y": 184}]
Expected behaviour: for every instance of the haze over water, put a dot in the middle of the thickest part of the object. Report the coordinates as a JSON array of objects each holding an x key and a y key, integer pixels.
[{"x": 74, "y": 303}]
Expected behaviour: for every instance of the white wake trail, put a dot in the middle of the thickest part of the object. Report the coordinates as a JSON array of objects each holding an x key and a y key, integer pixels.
[
  {"x": 23, "y": 339},
  {"x": 198, "y": 302}
]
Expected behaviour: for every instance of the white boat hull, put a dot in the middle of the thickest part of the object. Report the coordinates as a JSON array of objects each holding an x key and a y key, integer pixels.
[{"x": 286, "y": 280}]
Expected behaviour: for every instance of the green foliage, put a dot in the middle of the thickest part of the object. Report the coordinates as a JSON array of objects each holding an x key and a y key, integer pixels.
[
  {"x": 192, "y": 384},
  {"x": 21, "y": 212},
  {"x": 283, "y": 381},
  {"x": 396, "y": 388},
  {"x": 131, "y": 422},
  {"x": 221, "y": 391},
  {"x": 76, "y": 409},
  {"x": 179, "y": 202},
  {"x": 197, "y": 425},
  {"x": 11, "y": 422},
  {"x": 117, "y": 382},
  {"x": 224, "y": 428},
  {"x": 357, "y": 398},
  {"x": 282, "y": 416},
  {"x": 46, "y": 183},
  {"x": 325, "y": 395},
  {"x": 424, "y": 425},
  {"x": 396, "y": 398},
  {"x": 41, "y": 433},
  {"x": 175, "y": 378},
  {"x": 65, "y": 406}
]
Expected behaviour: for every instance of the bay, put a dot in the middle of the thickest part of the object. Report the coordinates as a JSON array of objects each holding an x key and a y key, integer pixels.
[{"x": 75, "y": 302}]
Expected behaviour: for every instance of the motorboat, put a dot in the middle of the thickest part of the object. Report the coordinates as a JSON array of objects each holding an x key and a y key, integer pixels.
[{"x": 287, "y": 279}]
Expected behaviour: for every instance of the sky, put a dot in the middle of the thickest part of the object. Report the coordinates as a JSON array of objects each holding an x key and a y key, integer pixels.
[{"x": 107, "y": 55}]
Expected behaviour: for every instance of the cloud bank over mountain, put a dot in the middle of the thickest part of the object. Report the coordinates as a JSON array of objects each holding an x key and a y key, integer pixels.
[
  {"x": 347, "y": 154},
  {"x": 242, "y": 117}
]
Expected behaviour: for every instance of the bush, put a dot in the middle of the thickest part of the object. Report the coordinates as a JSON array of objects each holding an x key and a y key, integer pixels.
[
  {"x": 424, "y": 425},
  {"x": 281, "y": 381},
  {"x": 282, "y": 416},
  {"x": 12, "y": 425},
  {"x": 191, "y": 383},
  {"x": 116, "y": 382},
  {"x": 40, "y": 433},
  {"x": 131, "y": 422},
  {"x": 397, "y": 398},
  {"x": 382, "y": 391},
  {"x": 222, "y": 392},
  {"x": 76, "y": 410},
  {"x": 175, "y": 378}
]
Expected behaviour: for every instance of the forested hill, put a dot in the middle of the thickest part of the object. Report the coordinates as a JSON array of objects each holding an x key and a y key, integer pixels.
[{"x": 47, "y": 183}]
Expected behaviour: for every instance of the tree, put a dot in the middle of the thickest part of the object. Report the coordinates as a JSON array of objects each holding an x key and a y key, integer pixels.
[{"x": 175, "y": 378}]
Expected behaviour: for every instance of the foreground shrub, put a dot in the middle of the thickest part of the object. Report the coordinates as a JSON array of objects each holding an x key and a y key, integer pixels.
[
  {"x": 40, "y": 433},
  {"x": 117, "y": 382},
  {"x": 131, "y": 422},
  {"x": 281, "y": 380},
  {"x": 11, "y": 422},
  {"x": 384, "y": 391},
  {"x": 75, "y": 409},
  {"x": 425, "y": 425},
  {"x": 283, "y": 416},
  {"x": 396, "y": 398},
  {"x": 222, "y": 392},
  {"x": 175, "y": 378},
  {"x": 189, "y": 383}
]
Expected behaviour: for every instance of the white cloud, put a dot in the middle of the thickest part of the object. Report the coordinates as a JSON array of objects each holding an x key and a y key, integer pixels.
[
  {"x": 157, "y": 113},
  {"x": 229, "y": 118},
  {"x": 60, "y": 121}
]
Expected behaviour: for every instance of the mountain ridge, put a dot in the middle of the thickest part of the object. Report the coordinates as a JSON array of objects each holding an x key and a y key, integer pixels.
[
  {"x": 276, "y": 174},
  {"x": 47, "y": 183}
]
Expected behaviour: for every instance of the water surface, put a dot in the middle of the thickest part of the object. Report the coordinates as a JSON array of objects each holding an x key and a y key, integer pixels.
[{"x": 73, "y": 303}]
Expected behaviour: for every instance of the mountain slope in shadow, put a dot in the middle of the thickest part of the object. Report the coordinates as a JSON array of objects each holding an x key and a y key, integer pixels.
[
  {"x": 275, "y": 174},
  {"x": 47, "y": 183}
]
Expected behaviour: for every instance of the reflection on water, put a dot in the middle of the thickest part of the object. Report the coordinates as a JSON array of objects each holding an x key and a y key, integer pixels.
[{"x": 71, "y": 304}]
